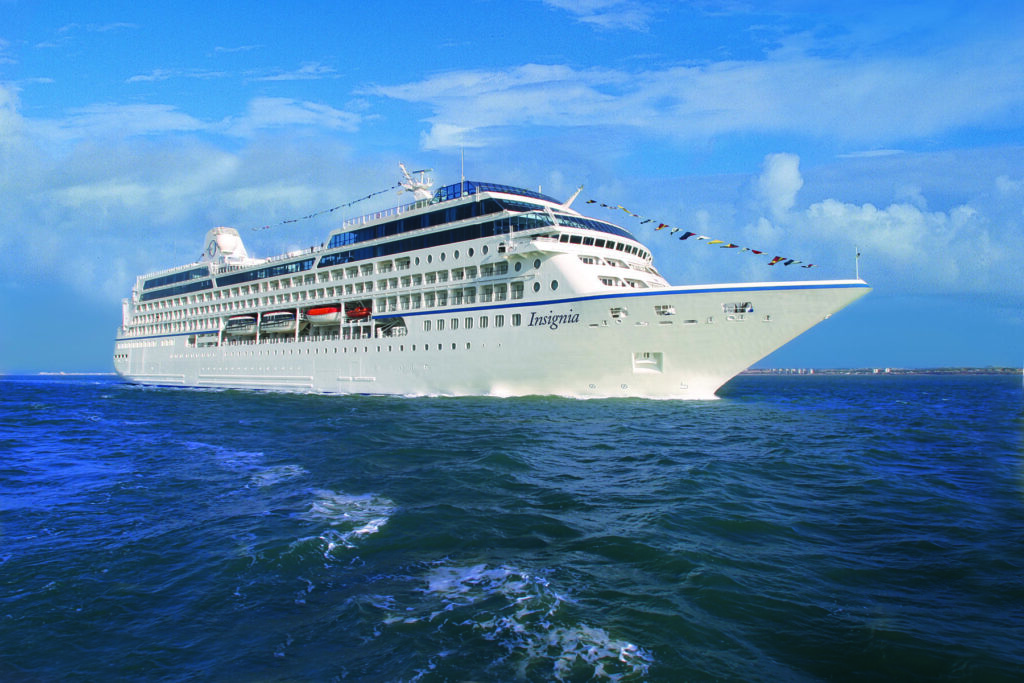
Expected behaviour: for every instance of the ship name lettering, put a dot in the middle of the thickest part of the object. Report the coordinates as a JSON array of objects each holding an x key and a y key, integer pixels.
[{"x": 553, "y": 320}]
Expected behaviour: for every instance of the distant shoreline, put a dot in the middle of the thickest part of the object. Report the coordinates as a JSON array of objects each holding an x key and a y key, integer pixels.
[
  {"x": 73, "y": 374},
  {"x": 751, "y": 371},
  {"x": 884, "y": 371}
]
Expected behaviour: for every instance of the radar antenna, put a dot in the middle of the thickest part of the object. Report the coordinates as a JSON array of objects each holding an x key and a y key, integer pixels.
[{"x": 420, "y": 187}]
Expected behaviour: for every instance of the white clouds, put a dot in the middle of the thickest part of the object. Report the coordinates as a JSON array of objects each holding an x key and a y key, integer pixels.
[
  {"x": 1009, "y": 187},
  {"x": 118, "y": 185},
  {"x": 106, "y": 121},
  {"x": 874, "y": 101},
  {"x": 277, "y": 112},
  {"x": 908, "y": 248},
  {"x": 478, "y": 103},
  {"x": 167, "y": 74},
  {"x": 864, "y": 154},
  {"x": 607, "y": 14},
  {"x": 71, "y": 32},
  {"x": 10, "y": 121},
  {"x": 4, "y": 57},
  {"x": 447, "y": 136},
  {"x": 779, "y": 182},
  {"x": 240, "y": 48},
  {"x": 307, "y": 72}
]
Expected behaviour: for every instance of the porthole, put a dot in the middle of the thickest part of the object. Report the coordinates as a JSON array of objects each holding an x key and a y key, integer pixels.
[
  {"x": 484, "y": 249},
  {"x": 554, "y": 285},
  {"x": 471, "y": 252},
  {"x": 519, "y": 266},
  {"x": 417, "y": 260},
  {"x": 429, "y": 258},
  {"x": 456, "y": 254},
  {"x": 442, "y": 256},
  {"x": 536, "y": 263},
  {"x": 536, "y": 286}
]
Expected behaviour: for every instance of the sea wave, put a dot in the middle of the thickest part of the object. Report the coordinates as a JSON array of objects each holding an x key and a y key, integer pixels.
[{"x": 528, "y": 620}]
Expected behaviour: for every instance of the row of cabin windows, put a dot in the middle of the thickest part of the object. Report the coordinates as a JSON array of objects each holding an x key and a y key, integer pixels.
[
  {"x": 151, "y": 312},
  {"x": 367, "y": 269},
  {"x": 468, "y": 322},
  {"x": 603, "y": 244},
  {"x": 468, "y": 273},
  {"x": 311, "y": 352},
  {"x": 618, "y": 282},
  {"x": 452, "y": 297},
  {"x": 188, "y": 319},
  {"x": 425, "y": 220}
]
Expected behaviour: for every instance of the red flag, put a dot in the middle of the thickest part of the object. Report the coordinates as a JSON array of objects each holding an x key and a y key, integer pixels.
[{"x": 776, "y": 260}]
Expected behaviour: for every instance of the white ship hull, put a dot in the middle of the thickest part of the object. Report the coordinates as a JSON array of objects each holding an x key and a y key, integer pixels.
[
  {"x": 480, "y": 289},
  {"x": 679, "y": 342}
]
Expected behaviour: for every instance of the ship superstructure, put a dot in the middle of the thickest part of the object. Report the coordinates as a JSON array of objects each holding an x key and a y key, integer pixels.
[{"x": 476, "y": 289}]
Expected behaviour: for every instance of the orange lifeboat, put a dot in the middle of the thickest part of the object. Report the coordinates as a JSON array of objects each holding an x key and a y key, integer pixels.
[
  {"x": 358, "y": 312},
  {"x": 324, "y": 315}
]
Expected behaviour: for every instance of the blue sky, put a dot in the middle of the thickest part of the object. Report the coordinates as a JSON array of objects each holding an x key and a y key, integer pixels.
[{"x": 799, "y": 128}]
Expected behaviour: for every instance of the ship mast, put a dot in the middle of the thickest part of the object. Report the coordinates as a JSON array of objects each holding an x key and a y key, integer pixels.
[{"x": 420, "y": 187}]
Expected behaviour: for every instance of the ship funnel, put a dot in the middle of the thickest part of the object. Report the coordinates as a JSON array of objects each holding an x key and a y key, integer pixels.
[{"x": 224, "y": 245}]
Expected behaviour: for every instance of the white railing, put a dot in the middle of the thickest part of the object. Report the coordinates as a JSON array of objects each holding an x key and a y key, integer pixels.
[{"x": 386, "y": 213}]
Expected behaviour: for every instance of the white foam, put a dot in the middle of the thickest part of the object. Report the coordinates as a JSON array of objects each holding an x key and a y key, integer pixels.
[
  {"x": 278, "y": 474},
  {"x": 349, "y": 517},
  {"x": 520, "y": 611},
  {"x": 229, "y": 458}
]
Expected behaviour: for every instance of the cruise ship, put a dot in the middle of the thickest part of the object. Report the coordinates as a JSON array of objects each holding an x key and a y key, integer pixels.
[{"x": 476, "y": 288}]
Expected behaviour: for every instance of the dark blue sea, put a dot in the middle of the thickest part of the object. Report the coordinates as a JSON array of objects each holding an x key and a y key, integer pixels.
[{"x": 813, "y": 528}]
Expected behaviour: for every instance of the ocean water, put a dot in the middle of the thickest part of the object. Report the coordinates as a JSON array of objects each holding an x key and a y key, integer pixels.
[{"x": 798, "y": 529}]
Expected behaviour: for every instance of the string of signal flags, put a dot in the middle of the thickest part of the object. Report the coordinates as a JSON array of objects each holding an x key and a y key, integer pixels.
[
  {"x": 332, "y": 210},
  {"x": 784, "y": 260}
]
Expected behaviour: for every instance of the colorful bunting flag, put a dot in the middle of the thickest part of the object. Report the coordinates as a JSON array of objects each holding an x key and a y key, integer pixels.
[
  {"x": 784, "y": 260},
  {"x": 325, "y": 211}
]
